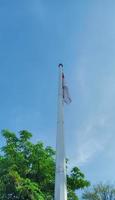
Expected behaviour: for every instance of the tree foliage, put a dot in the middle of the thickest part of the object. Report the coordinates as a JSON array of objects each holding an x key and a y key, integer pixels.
[
  {"x": 27, "y": 170},
  {"x": 100, "y": 192}
]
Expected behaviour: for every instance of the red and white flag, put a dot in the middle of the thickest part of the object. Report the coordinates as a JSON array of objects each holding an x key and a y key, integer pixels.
[{"x": 66, "y": 95}]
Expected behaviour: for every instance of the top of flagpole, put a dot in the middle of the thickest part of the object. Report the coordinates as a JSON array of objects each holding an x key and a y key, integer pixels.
[{"x": 60, "y": 65}]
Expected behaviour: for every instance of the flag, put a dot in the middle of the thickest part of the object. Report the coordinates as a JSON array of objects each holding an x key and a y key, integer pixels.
[{"x": 66, "y": 95}]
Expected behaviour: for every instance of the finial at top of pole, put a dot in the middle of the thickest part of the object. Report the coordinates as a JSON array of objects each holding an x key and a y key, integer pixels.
[{"x": 60, "y": 65}]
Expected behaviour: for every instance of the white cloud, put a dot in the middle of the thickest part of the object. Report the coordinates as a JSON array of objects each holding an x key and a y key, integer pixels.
[
  {"x": 98, "y": 128},
  {"x": 91, "y": 139}
]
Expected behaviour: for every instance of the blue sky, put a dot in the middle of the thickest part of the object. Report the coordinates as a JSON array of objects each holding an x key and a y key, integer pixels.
[{"x": 36, "y": 35}]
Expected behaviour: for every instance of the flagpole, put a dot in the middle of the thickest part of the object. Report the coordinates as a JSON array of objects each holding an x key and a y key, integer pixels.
[{"x": 60, "y": 173}]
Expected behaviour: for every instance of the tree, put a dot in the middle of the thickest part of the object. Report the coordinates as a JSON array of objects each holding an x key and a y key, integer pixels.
[
  {"x": 100, "y": 192},
  {"x": 27, "y": 170}
]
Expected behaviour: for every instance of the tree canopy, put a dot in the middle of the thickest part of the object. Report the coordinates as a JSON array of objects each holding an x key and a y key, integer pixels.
[
  {"x": 27, "y": 170},
  {"x": 100, "y": 192}
]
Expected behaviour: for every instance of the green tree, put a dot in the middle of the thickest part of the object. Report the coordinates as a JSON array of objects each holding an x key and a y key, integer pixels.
[
  {"x": 27, "y": 170},
  {"x": 100, "y": 192}
]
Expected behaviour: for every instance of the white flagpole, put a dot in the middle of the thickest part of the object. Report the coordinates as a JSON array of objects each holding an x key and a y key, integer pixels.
[{"x": 60, "y": 174}]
